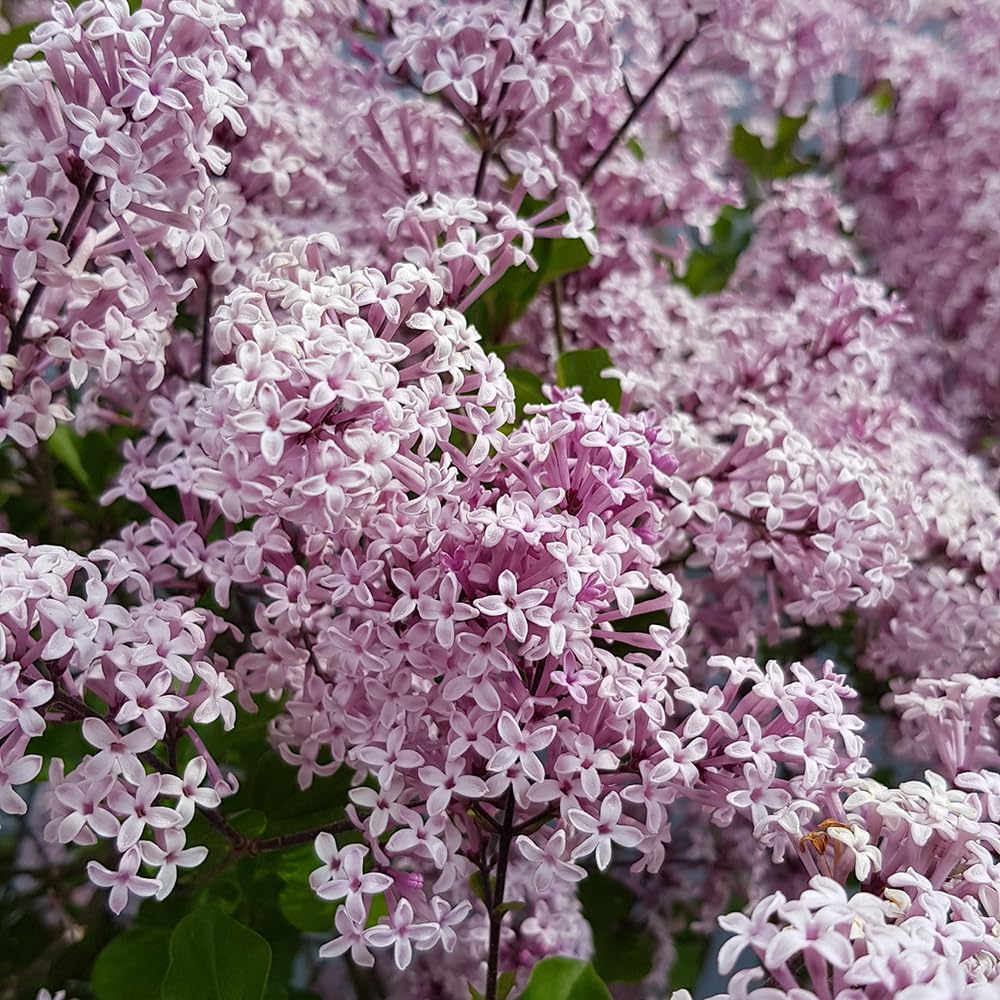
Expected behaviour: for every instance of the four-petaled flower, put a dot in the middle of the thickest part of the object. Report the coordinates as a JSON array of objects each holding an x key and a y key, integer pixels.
[
  {"x": 520, "y": 749},
  {"x": 123, "y": 881},
  {"x": 402, "y": 932},
  {"x": 511, "y": 604},
  {"x": 351, "y": 883},
  {"x": 601, "y": 833}
]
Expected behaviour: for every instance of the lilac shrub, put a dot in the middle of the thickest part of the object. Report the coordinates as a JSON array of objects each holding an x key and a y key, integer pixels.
[{"x": 499, "y": 499}]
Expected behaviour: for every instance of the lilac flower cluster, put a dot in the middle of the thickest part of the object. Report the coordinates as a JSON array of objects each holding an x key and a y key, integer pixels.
[
  {"x": 150, "y": 665},
  {"x": 572, "y": 478},
  {"x": 111, "y": 135}
]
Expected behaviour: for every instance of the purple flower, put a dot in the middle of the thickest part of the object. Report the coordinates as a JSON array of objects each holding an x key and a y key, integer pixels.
[
  {"x": 124, "y": 881},
  {"x": 601, "y": 833}
]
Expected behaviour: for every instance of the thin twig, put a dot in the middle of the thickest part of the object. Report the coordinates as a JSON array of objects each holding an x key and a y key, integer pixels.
[
  {"x": 491, "y": 141},
  {"x": 21, "y": 326},
  {"x": 286, "y": 840},
  {"x": 481, "y": 813},
  {"x": 643, "y": 101},
  {"x": 496, "y": 897},
  {"x": 557, "y": 320},
  {"x": 534, "y": 822},
  {"x": 206, "y": 340},
  {"x": 484, "y": 162}
]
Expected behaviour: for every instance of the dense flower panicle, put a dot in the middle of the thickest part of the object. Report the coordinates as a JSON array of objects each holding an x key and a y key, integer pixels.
[
  {"x": 67, "y": 642},
  {"x": 111, "y": 135},
  {"x": 925, "y": 922},
  {"x": 436, "y": 663},
  {"x": 318, "y": 264},
  {"x": 935, "y": 241},
  {"x": 547, "y": 924}
]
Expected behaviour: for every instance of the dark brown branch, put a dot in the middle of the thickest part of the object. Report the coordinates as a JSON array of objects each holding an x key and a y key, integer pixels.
[
  {"x": 20, "y": 327},
  {"x": 490, "y": 142},
  {"x": 206, "y": 340},
  {"x": 637, "y": 108},
  {"x": 496, "y": 897},
  {"x": 286, "y": 840}
]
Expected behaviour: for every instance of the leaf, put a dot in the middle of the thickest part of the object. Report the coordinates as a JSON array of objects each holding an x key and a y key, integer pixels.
[
  {"x": 623, "y": 949},
  {"x": 710, "y": 266},
  {"x": 274, "y": 790},
  {"x": 139, "y": 956},
  {"x": 212, "y": 957},
  {"x": 883, "y": 96},
  {"x": 512, "y": 907},
  {"x": 507, "y": 301},
  {"x": 771, "y": 162},
  {"x": 377, "y": 909},
  {"x": 65, "y": 448},
  {"x": 557, "y": 258},
  {"x": 565, "y": 979},
  {"x": 527, "y": 389},
  {"x": 477, "y": 886},
  {"x": 583, "y": 368},
  {"x": 300, "y": 906},
  {"x": 506, "y": 982},
  {"x": 304, "y": 910},
  {"x": 250, "y": 822},
  {"x": 690, "y": 951},
  {"x": 17, "y": 35}
]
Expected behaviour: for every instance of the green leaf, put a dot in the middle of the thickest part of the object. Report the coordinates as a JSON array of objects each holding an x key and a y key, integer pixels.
[
  {"x": 565, "y": 979},
  {"x": 377, "y": 909},
  {"x": 557, "y": 258},
  {"x": 583, "y": 368},
  {"x": 250, "y": 822},
  {"x": 883, "y": 96},
  {"x": 274, "y": 790},
  {"x": 65, "y": 448},
  {"x": 505, "y": 984},
  {"x": 139, "y": 956},
  {"x": 17, "y": 35},
  {"x": 212, "y": 957},
  {"x": 477, "y": 886},
  {"x": 623, "y": 948},
  {"x": 300, "y": 906},
  {"x": 771, "y": 162},
  {"x": 690, "y": 951},
  {"x": 710, "y": 266},
  {"x": 507, "y": 301},
  {"x": 527, "y": 389},
  {"x": 634, "y": 147},
  {"x": 512, "y": 907},
  {"x": 304, "y": 910}
]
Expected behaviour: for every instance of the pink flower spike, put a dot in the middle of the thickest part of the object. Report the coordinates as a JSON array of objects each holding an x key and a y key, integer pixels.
[
  {"x": 352, "y": 937},
  {"x": 168, "y": 858},
  {"x": 16, "y": 769},
  {"x": 148, "y": 701},
  {"x": 446, "y": 611},
  {"x": 136, "y": 806},
  {"x": 549, "y": 861},
  {"x": 189, "y": 791},
  {"x": 118, "y": 753},
  {"x": 274, "y": 421}
]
